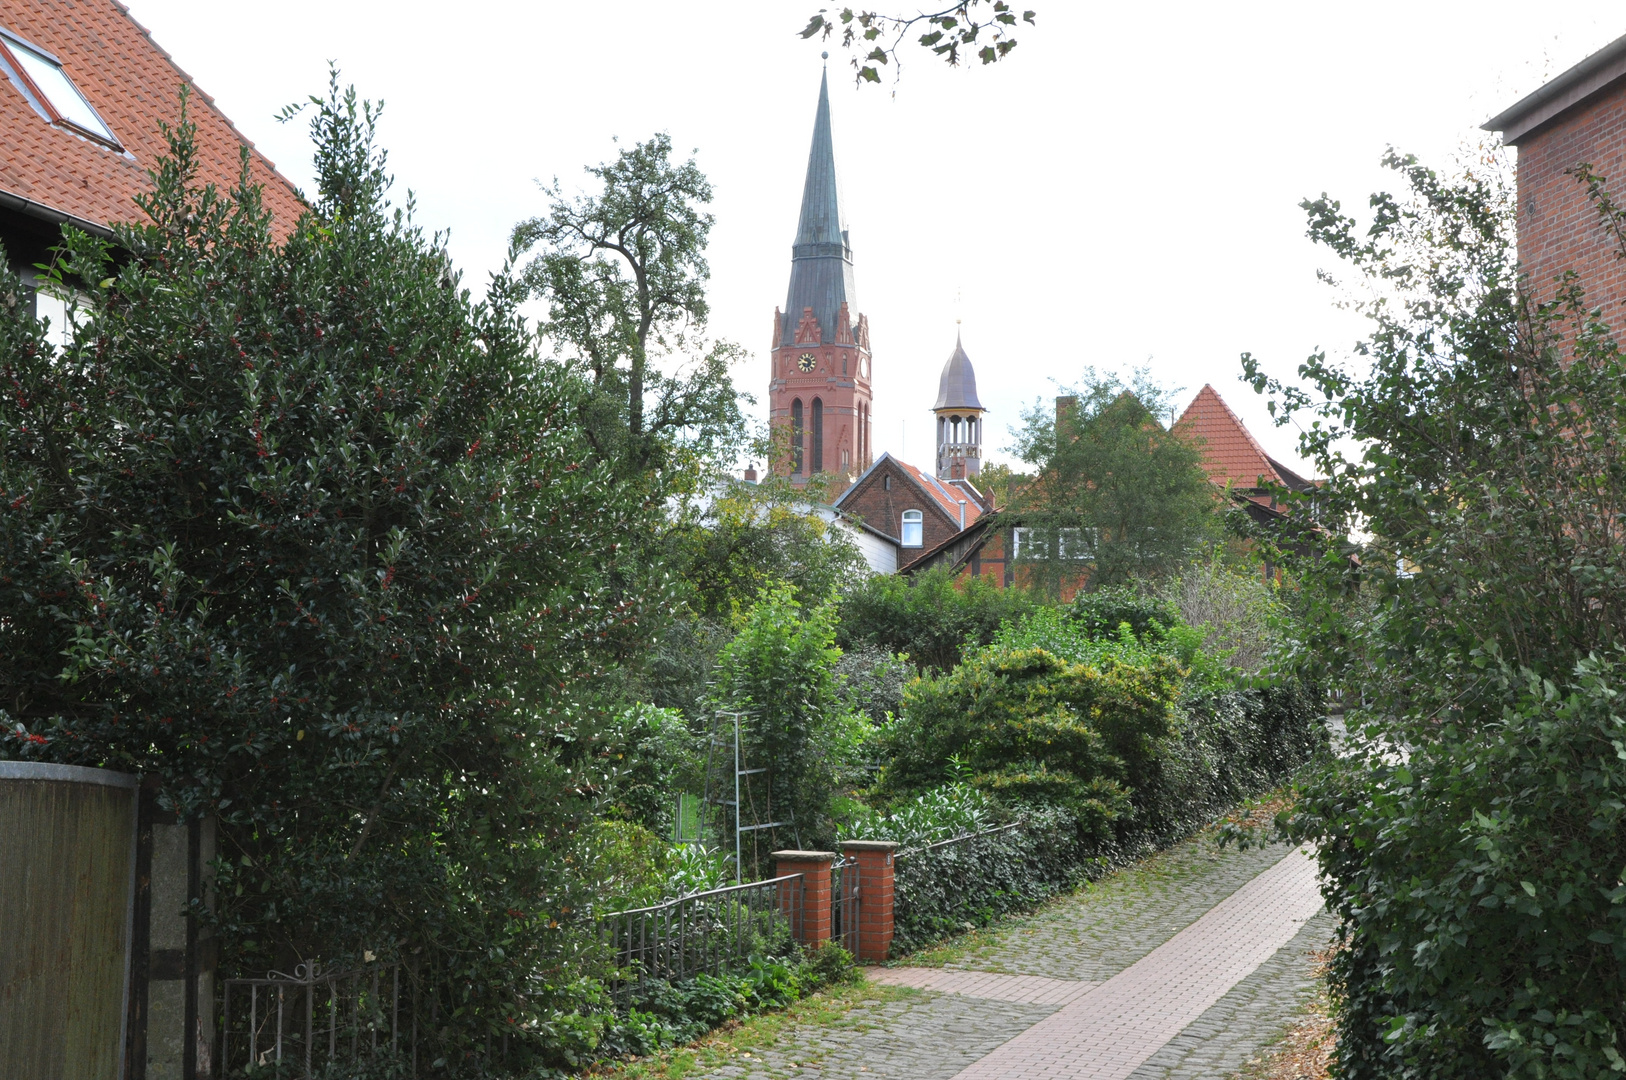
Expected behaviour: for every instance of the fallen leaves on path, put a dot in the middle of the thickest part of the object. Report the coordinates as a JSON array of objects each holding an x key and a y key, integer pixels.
[{"x": 1305, "y": 1052}]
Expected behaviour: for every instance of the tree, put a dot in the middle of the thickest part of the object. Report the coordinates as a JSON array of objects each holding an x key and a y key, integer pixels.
[
  {"x": 303, "y": 531},
  {"x": 1117, "y": 495},
  {"x": 1472, "y": 838},
  {"x": 754, "y": 535},
  {"x": 623, "y": 273},
  {"x": 947, "y": 32}
]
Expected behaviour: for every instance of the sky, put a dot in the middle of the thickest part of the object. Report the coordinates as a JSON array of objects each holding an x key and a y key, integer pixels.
[{"x": 1121, "y": 192}]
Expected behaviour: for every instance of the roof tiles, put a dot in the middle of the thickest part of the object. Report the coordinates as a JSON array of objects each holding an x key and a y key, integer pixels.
[
  {"x": 133, "y": 84},
  {"x": 1230, "y": 452}
]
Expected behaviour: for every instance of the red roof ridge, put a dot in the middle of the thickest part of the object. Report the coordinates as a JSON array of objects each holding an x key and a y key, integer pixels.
[{"x": 1230, "y": 452}]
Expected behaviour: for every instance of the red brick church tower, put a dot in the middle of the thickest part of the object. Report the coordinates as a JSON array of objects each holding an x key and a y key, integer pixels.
[{"x": 819, "y": 387}]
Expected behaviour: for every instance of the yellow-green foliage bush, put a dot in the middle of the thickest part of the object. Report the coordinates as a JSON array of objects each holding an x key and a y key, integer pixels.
[{"x": 1031, "y": 727}]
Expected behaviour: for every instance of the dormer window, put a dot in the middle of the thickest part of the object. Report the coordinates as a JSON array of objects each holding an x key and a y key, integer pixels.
[
  {"x": 914, "y": 528},
  {"x": 39, "y": 77}
]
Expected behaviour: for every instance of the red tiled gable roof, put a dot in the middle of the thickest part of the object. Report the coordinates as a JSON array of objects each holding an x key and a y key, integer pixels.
[
  {"x": 133, "y": 84},
  {"x": 1230, "y": 452},
  {"x": 945, "y": 496}
]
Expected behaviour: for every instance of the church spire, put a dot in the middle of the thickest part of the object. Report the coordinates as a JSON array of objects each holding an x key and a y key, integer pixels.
[{"x": 821, "y": 269}]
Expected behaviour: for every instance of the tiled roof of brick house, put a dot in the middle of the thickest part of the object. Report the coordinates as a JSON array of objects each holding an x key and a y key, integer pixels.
[
  {"x": 946, "y": 494},
  {"x": 1232, "y": 456},
  {"x": 133, "y": 84}
]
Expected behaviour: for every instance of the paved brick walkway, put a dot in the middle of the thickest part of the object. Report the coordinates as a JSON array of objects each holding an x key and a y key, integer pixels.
[
  {"x": 1027, "y": 989},
  {"x": 1109, "y": 1032},
  {"x": 1180, "y": 968}
]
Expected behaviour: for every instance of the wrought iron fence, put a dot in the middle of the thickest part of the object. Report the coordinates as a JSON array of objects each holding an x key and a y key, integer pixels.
[
  {"x": 314, "y": 1018},
  {"x": 845, "y": 902},
  {"x": 705, "y": 931}
]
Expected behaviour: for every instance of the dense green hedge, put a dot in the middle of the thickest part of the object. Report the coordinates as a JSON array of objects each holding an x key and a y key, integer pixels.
[
  {"x": 1221, "y": 748},
  {"x": 963, "y": 886}
]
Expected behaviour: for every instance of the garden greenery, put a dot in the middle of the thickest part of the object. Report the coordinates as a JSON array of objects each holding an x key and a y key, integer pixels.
[
  {"x": 1473, "y": 839},
  {"x": 301, "y": 530},
  {"x": 929, "y": 617}
]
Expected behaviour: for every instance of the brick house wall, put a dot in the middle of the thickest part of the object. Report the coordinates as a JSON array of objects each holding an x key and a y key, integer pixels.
[
  {"x": 1559, "y": 228},
  {"x": 1576, "y": 117},
  {"x": 880, "y": 497}
]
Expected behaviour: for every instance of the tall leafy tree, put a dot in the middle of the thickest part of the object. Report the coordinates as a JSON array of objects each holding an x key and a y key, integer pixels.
[
  {"x": 1467, "y": 583},
  {"x": 301, "y": 529},
  {"x": 623, "y": 272},
  {"x": 1116, "y": 494}
]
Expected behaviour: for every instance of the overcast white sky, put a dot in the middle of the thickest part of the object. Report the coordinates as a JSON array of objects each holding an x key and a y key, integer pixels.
[{"x": 1122, "y": 191}]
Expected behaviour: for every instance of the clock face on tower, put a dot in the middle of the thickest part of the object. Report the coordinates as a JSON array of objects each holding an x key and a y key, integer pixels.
[{"x": 807, "y": 361}]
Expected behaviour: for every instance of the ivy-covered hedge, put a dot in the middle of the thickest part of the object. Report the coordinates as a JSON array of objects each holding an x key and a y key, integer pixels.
[
  {"x": 962, "y": 886},
  {"x": 1221, "y": 748}
]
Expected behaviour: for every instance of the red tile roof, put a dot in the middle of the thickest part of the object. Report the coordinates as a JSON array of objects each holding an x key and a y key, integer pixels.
[
  {"x": 133, "y": 84},
  {"x": 1230, "y": 452},
  {"x": 944, "y": 493}
]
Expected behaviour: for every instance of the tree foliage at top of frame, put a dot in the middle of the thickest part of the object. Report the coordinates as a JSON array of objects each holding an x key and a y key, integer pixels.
[{"x": 983, "y": 28}]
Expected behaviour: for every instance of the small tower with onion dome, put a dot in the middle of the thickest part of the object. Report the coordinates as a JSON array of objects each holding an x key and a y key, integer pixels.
[{"x": 959, "y": 418}]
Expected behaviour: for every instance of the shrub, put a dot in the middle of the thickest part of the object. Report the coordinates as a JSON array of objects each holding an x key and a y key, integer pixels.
[
  {"x": 930, "y": 617},
  {"x": 303, "y": 532},
  {"x": 939, "y": 814},
  {"x": 780, "y": 669},
  {"x": 1239, "y": 614},
  {"x": 1474, "y": 848},
  {"x": 963, "y": 886},
  {"x": 660, "y": 1014},
  {"x": 1099, "y": 614},
  {"x": 1034, "y": 728},
  {"x": 1479, "y": 885}
]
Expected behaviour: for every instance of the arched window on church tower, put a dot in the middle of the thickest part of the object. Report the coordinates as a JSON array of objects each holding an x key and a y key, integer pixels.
[
  {"x": 818, "y": 437},
  {"x": 796, "y": 437}
]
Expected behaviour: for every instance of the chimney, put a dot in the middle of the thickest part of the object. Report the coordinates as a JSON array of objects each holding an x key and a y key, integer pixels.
[
  {"x": 962, "y": 515},
  {"x": 751, "y": 473},
  {"x": 1064, "y": 406}
]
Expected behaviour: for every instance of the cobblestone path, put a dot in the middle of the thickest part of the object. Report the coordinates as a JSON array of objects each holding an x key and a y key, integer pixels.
[{"x": 1177, "y": 969}]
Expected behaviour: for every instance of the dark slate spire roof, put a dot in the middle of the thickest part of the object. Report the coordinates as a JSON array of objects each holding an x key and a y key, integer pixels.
[
  {"x": 821, "y": 268},
  {"x": 958, "y": 387}
]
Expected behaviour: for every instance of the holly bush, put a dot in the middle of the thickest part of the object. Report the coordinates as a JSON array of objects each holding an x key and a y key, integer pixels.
[{"x": 301, "y": 529}]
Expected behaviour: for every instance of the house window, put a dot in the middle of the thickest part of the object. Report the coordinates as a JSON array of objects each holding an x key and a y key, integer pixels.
[
  {"x": 1077, "y": 543},
  {"x": 818, "y": 436},
  {"x": 1022, "y": 546},
  {"x": 796, "y": 437},
  {"x": 886, "y": 483},
  {"x": 53, "y": 95},
  {"x": 914, "y": 528}
]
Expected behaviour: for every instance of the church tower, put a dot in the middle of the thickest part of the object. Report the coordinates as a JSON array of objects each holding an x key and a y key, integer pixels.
[
  {"x": 959, "y": 418},
  {"x": 819, "y": 388}
]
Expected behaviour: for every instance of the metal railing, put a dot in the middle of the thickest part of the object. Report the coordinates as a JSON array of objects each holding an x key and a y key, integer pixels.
[
  {"x": 845, "y": 903},
  {"x": 708, "y": 931},
  {"x": 956, "y": 840},
  {"x": 314, "y": 1018}
]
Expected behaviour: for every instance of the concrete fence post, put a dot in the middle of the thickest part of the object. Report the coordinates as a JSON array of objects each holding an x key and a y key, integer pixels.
[
  {"x": 875, "y": 885},
  {"x": 808, "y": 908}
]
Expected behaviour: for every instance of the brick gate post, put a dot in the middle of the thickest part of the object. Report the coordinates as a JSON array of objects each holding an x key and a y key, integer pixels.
[
  {"x": 875, "y": 869},
  {"x": 808, "y": 908}
]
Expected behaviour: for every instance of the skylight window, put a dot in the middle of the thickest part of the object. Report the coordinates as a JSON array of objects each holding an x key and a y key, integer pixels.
[{"x": 40, "y": 77}]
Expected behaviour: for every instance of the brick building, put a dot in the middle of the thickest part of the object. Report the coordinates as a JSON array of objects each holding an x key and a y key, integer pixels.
[
  {"x": 819, "y": 384},
  {"x": 910, "y": 508},
  {"x": 1577, "y": 118}
]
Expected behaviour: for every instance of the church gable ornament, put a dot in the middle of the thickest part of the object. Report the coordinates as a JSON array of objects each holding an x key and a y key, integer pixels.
[{"x": 808, "y": 331}]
